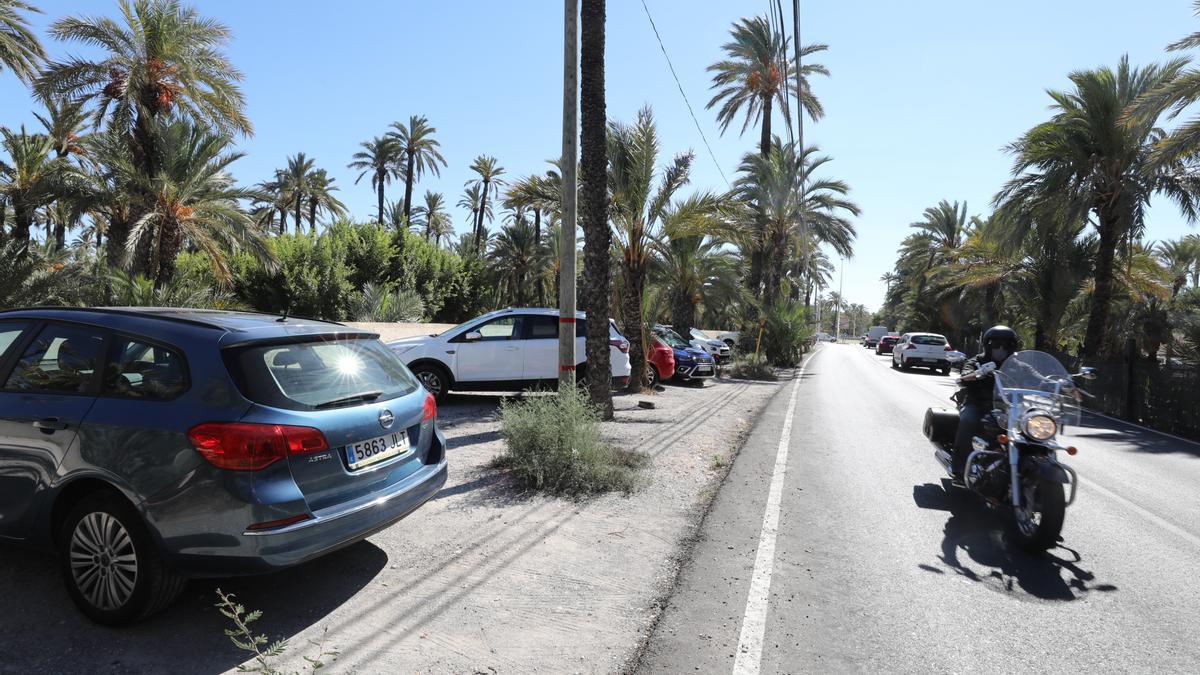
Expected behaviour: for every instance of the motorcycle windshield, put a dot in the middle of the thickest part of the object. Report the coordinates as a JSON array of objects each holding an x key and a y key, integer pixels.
[{"x": 1043, "y": 383}]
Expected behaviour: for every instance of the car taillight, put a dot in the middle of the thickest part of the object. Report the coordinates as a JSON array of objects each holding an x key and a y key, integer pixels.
[
  {"x": 429, "y": 410},
  {"x": 619, "y": 344},
  {"x": 949, "y": 348},
  {"x": 910, "y": 346},
  {"x": 242, "y": 446}
]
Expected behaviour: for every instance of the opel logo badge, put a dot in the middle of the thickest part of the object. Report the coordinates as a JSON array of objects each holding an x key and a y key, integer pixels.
[{"x": 386, "y": 418}]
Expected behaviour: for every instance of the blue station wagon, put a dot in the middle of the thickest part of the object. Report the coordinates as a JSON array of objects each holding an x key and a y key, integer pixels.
[{"x": 146, "y": 445}]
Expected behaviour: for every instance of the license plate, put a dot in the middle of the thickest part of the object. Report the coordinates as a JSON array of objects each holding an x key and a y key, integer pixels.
[
  {"x": 703, "y": 370},
  {"x": 365, "y": 453}
]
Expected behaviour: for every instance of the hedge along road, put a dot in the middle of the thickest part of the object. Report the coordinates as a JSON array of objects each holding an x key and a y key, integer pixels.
[{"x": 876, "y": 568}]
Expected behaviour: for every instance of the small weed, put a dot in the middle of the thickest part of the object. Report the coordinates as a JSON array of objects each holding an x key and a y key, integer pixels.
[
  {"x": 265, "y": 652},
  {"x": 554, "y": 445},
  {"x": 718, "y": 462}
]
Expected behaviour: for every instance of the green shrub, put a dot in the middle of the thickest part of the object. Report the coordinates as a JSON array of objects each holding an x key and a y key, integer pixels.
[
  {"x": 752, "y": 367},
  {"x": 785, "y": 332},
  {"x": 554, "y": 445}
]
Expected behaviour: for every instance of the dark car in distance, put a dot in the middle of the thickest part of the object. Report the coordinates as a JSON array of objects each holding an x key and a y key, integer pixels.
[
  {"x": 886, "y": 344},
  {"x": 149, "y": 445}
]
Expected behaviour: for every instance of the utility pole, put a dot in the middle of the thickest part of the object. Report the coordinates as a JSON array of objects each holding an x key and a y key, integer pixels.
[{"x": 570, "y": 134}]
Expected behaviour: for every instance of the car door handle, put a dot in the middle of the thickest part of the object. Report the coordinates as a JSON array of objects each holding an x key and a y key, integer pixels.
[
  {"x": 511, "y": 349},
  {"x": 50, "y": 424}
]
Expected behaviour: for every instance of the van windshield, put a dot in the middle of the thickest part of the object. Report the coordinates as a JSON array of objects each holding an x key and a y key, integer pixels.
[{"x": 320, "y": 374}]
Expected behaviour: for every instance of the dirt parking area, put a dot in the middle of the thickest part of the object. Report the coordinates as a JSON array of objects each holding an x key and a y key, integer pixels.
[{"x": 481, "y": 579}]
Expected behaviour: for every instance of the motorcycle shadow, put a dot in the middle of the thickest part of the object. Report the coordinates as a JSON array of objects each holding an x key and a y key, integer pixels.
[{"x": 975, "y": 546}]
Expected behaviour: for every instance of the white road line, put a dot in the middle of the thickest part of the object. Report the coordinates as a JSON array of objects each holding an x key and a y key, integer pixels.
[{"x": 754, "y": 622}]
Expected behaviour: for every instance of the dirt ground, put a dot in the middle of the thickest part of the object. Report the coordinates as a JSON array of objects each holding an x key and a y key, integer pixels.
[{"x": 482, "y": 579}]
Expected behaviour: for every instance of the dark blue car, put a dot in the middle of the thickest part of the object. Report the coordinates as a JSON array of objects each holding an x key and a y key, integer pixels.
[
  {"x": 147, "y": 446},
  {"x": 690, "y": 363}
]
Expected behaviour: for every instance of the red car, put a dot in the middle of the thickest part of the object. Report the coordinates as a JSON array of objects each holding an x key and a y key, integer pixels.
[
  {"x": 662, "y": 360},
  {"x": 886, "y": 343}
]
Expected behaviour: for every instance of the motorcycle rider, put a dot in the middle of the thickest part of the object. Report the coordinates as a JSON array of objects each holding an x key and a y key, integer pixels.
[{"x": 975, "y": 390}]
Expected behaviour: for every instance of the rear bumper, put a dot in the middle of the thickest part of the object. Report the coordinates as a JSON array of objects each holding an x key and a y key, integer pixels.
[{"x": 267, "y": 551}]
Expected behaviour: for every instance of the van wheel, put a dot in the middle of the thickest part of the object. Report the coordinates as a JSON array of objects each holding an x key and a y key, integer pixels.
[
  {"x": 434, "y": 379},
  {"x": 111, "y": 566}
]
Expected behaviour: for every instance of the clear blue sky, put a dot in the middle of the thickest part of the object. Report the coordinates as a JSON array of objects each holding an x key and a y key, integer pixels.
[{"x": 922, "y": 99}]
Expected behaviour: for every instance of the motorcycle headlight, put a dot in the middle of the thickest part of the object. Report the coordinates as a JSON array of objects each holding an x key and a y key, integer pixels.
[{"x": 1040, "y": 427}]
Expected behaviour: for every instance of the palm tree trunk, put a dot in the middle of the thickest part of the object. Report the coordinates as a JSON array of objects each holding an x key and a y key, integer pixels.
[
  {"x": 482, "y": 210},
  {"x": 597, "y": 237},
  {"x": 1095, "y": 340},
  {"x": 631, "y": 314},
  {"x": 379, "y": 195},
  {"x": 764, "y": 142},
  {"x": 118, "y": 234},
  {"x": 539, "y": 285},
  {"x": 60, "y": 235},
  {"x": 408, "y": 186},
  {"x": 22, "y": 221},
  {"x": 282, "y": 220},
  {"x": 683, "y": 314},
  {"x": 299, "y": 217}
]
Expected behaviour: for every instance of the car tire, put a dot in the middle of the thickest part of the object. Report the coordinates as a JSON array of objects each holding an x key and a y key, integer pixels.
[
  {"x": 652, "y": 376},
  {"x": 125, "y": 580},
  {"x": 945, "y": 372},
  {"x": 903, "y": 365},
  {"x": 894, "y": 366},
  {"x": 434, "y": 379}
]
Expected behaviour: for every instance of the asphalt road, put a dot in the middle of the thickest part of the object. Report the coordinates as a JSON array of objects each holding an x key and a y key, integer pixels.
[{"x": 876, "y": 568}]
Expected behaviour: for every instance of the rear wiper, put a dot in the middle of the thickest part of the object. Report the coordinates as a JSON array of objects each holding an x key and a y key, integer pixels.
[{"x": 361, "y": 396}]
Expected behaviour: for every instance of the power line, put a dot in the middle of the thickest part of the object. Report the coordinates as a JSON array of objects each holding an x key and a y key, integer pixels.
[
  {"x": 775, "y": 10},
  {"x": 684, "y": 95}
]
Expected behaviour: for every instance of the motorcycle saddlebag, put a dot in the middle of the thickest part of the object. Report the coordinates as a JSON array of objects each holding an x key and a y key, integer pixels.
[{"x": 941, "y": 425}]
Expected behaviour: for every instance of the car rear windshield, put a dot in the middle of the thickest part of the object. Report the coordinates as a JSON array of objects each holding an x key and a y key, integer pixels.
[
  {"x": 889, "y": 338},
  {"x": 928, "y": 340},
  {"x": 320, "y": 374}
]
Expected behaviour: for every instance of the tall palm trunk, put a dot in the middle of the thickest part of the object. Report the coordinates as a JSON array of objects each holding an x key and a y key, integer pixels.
[
  {"x": 118, "y": 235},
  {"x": 764, "y": 141},
  {"x": 379, "y": 194},
  {"x": 312, "y": 215},
  {"x": 597, "y": 237},
  {"x": 683, "y": 314},
  {"x": 299, "y": 205},
  {"x": 282, "y": 220},
  {"x": 1096, "y": 337},
  {"x": 482, "y": 211},
  {"x": 631, "y": 314},
  {"x": 22, "y": 221},
  {"x": 408, "y": 186},
  {"x": 60, "y": 235},
  {"x": 758, "y": 257},
  {"x": 539, "y": 284}
]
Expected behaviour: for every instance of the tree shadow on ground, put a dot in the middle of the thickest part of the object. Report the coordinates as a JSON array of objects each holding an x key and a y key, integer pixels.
[
  {"x": 48, "y": 634},
  {"x": 1098, "y": 428},
  {"x": 990, "y": 559}
]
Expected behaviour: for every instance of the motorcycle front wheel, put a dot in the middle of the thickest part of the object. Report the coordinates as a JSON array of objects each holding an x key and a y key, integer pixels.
[{"x": 1036, "y": 525}]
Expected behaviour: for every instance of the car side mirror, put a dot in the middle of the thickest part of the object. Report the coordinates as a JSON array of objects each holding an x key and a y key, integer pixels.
[{"x": 473, "y": 336}]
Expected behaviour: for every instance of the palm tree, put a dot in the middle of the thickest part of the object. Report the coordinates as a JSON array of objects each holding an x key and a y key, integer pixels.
[
  {"x": 515, "y": 258},
  {"x": 162, "y": 59},
  {"x": 1173, "y": 94},
  {"x": 194, "y": 199},
  {"x": 20, "y": 50},
  {"x": 33, "y": 177},
  {"x": 692, "y": 267},
  {"x": 418, "y": 153},
  {"x": 758, "y": 73},
  {"x": 272, "y": 197},
  {"x": 470, "y": 200},
  {"x": 433, "y": 217},
  {"x": 888, "y": 278},
  {"x": 489, "y": 182},
  {"x": 1097, "y": 160},
  {"x": 637, "y": 212},
  {"x": 393, "y": 215},
  {"x": 378, "y": 158},
  {"x": 320, "y": 198},
  {"x": 788, "y": 214},
  {"x": 596, "y": 290},
  {"x": 65, "y": 122},
  {"x": 298, "y": 175}
]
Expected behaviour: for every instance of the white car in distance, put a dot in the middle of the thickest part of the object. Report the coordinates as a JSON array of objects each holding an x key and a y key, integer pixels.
[{"x": 506, "y": 350}]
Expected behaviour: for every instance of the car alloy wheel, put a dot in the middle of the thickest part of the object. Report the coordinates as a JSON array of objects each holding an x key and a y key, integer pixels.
[{"x": 104, "y": 562}]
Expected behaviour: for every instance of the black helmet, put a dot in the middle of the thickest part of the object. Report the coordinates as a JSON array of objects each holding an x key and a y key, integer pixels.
[{"x": 1001, "y": 335}]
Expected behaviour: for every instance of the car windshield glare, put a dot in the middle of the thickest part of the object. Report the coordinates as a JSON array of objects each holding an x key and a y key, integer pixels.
[
  {"x": 932, "y": 340},
  {"x": 321, "y": 373}
]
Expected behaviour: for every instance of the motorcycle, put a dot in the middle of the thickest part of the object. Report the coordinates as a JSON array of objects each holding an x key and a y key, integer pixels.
[{"x": 1013, "y": 463}]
